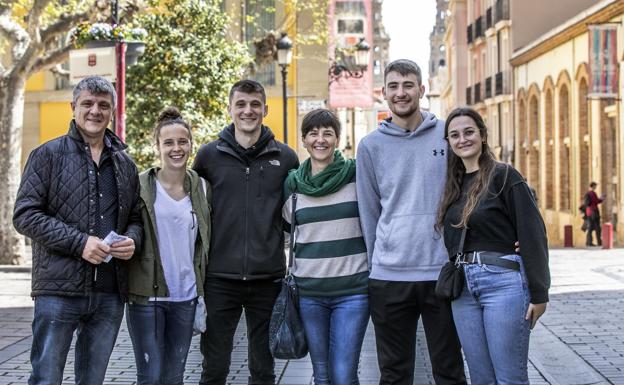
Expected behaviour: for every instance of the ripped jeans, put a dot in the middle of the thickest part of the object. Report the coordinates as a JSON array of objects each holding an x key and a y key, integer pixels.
[{"x": 161, "y": 335}]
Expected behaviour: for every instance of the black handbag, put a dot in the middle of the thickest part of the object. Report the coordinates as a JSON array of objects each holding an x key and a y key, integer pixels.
[
  {"x": 286, "y": 335},
  {"x": 451, "y": 279}
]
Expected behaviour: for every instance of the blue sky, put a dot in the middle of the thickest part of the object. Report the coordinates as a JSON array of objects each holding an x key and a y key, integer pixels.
[{"x": 409, "y": 23}]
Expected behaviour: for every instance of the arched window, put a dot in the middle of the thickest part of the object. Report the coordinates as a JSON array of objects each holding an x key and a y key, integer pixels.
[
  {"x": 533, "y": 139},
  {"x": 550, "y": 150},
  {"x": 564, "y": 148},
  {"x": 583, "y": 118},
  {"x": 523, "y": 140}
]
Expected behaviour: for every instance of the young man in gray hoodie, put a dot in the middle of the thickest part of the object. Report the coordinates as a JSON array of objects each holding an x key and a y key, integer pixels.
[{"x": 401, "y": 173}]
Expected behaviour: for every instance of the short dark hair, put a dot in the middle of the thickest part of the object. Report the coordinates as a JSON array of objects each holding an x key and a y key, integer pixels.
[
  {"x": 248, "y": 86},
  {"x": 404, "y": 67},
  {"x": 320, "y": 118},
  {"x": 593, "y": 184}
]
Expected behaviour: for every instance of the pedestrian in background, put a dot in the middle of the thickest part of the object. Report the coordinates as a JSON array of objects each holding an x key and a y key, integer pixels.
[
  {"x": 330, "y": 265},
  {"x": 246, "y": 167},
  {"x": 592, "y": 214},
  {"x": 75, "y": 190},
  {"x": 504, "y": 293},
  {"x": 166, "y": 278}
]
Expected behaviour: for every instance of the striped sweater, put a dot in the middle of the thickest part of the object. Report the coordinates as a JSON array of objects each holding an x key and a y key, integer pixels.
[{"x": 330, "y": 253}]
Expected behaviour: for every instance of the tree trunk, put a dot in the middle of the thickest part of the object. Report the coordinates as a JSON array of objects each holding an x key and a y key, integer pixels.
[{"x": 12, "y": 88}]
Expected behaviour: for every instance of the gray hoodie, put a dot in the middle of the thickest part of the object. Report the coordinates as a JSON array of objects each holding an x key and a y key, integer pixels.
[{"x": 400, "y": 181}]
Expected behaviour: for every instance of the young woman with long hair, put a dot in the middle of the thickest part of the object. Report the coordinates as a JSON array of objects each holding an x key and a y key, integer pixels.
[
  {"x": 330, "y": 263},
  {"x": 166, "y": 279},
  {"x": 504, "y": 292}
]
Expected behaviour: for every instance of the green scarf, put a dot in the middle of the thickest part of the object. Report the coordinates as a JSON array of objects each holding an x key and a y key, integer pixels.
[{"x": 333, "y": 178}]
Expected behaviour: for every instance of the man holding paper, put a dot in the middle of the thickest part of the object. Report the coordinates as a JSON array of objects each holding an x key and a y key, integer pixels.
[{"x": 78, "y": 202}]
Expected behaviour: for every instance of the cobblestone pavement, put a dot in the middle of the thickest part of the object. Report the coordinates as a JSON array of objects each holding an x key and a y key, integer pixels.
[{"x": 580, "y": 339}]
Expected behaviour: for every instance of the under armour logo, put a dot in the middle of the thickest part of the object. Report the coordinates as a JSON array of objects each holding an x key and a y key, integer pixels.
[{"x": 441, "y": 151}]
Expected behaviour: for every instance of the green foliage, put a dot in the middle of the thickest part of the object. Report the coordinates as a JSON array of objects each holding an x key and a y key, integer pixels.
[{"x": 188, "y": 63}]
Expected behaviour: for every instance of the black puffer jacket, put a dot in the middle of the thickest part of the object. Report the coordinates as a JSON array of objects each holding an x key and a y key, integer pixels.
[
  {"x": 55, "y": 208},
  {"x": 247, "y": 240}
]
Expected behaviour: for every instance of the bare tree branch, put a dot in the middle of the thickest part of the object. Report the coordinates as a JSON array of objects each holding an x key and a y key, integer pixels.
[
  {"x": 51, "y": 59},
  {"x": 14, "y": 32},
  {"x": 59, "y": 70},
  {"x": 65, "y": 23},
  {"x": 34, "y": 17},
  {"x": 6, "y": 5}
]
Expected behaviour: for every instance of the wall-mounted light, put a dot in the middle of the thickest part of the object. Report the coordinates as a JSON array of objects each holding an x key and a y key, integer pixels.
[{"x": 353, "y": 63}]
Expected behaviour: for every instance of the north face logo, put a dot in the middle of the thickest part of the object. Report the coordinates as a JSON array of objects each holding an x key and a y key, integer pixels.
[
  {"x": 436, "y": 152},
  {"x": 274, "y": 162}
]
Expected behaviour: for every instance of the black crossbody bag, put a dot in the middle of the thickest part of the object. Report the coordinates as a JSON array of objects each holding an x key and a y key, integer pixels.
[
  {"x": 286, "y": 335},
  {"x": 451, "y": 279}
]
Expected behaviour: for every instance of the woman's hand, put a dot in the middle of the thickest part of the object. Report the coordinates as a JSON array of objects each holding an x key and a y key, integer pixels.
[{"x": 534, "y": 312}]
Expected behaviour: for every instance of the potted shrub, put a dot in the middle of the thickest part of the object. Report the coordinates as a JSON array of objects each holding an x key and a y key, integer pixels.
[{"x": 95, "y": 35}]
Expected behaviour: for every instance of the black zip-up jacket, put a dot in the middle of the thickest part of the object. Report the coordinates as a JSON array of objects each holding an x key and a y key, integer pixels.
[
  {"x": 56, "y": 208},
  {"x": 247, "y": 240}
]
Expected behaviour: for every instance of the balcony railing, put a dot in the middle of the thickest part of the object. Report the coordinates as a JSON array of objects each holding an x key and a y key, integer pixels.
[
  {"x": 502, "y": 83},
  {"x": 477, "y": 93},
  {"x": 479, "y": 27},
  {"x": 488, "y": 18},
  {"x": 469, "y": 33},
  {"x": 488, "y": 87},
  {"x": 468, "y": 96},
  {"x": 502, "y": 10}
]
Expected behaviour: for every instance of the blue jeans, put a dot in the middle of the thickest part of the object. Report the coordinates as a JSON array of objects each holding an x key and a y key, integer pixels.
[
  {"x": 334, "y": 328},
  {"x": 161, "y": 335},
  {"x": 489, "y": 316},
  {"x": 96, "y": 317}
]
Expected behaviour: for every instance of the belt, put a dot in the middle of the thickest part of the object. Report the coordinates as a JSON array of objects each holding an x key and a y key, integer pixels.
[{"x": 489, "y": 258}]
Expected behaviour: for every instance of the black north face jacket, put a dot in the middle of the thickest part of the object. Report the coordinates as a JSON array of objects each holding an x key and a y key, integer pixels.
[
  {"x": 55, "y": 208},
  {"x": 247, "y": 239}
]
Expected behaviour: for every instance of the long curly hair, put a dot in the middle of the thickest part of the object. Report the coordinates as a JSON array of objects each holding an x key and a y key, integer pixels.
[{"x": 456, "y": 170}]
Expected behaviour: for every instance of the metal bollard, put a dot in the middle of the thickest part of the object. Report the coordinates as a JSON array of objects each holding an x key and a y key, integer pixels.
[
  {"x": 568, "y": 237},
  {"x": 607, "y": 235}
]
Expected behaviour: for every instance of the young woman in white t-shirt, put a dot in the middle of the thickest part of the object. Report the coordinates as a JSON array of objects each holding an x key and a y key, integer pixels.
[{"x": 166, "y": 278}]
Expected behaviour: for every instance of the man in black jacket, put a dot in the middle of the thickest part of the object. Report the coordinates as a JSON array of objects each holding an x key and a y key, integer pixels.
[
  {"x": 246, "y": 167},
  {"x": 75, "y": 190}
]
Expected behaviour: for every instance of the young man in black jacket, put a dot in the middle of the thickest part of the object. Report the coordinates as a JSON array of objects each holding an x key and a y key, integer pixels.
[
  {"x": 246, "y": 168},
  {"x": 75, "y": 190}
]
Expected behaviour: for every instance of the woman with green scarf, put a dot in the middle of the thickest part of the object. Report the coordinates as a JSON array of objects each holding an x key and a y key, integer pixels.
[{"x": 330, "y": 263}]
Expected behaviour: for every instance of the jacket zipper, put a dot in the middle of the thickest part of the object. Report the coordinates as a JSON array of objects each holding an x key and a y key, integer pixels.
[
  {"x": 260, "y": 182},
  {"x": 246, "y": 224}
]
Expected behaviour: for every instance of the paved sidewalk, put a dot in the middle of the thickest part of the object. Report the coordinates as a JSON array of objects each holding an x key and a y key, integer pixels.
[{"x": 579, "y": 341}]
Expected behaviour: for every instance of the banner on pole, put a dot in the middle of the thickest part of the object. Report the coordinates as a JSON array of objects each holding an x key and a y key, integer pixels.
[
  {"x": 603, "y": 65},
  {"x": 92, "y": 62}
]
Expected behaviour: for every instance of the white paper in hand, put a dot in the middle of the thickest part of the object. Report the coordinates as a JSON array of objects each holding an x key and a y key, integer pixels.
[{"x": 111, "y": 238}]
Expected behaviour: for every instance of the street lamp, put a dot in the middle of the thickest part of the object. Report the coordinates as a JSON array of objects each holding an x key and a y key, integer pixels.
[
  {"x": 284, "y": 57},
  {"x": 353, "y": 63}
]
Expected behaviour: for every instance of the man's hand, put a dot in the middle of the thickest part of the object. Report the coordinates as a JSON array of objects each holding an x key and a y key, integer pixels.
[
  {"x": 95, "y": 251},
  {"x": 123, "y": 249},
  {"x": 534, "y": 312}
]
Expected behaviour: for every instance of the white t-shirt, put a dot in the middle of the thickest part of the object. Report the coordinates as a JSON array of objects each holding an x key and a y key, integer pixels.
[{"x": 176, "y": 226}]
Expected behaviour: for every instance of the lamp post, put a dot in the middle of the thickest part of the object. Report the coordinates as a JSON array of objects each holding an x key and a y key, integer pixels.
[
  {"x": 284, "y": 57},
  {"x": 120, "y": 84},
  {"x": 353, "y": 65}
]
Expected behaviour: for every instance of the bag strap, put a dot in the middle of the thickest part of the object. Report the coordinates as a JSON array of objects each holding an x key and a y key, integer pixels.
[
  {"x": 204, "y": 186},
  {"x": 292, "y": 233},
  {"x": 460, "y": 250},
  {"x": 202, "y": 262}
]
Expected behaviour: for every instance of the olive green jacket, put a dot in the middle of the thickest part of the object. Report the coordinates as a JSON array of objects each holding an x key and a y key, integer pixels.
[{"x": 145, "y": 274}]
